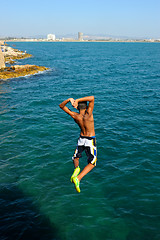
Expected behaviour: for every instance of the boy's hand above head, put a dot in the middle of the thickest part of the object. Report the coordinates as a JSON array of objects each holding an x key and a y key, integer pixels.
[
  {"x": 75, "y": 104},
  {"x": 72, "y": 101}
]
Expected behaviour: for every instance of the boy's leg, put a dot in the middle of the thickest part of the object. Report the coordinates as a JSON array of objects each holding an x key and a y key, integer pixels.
[
  {"x": 76, "y": 162},
  {"x": 86, "y": 170},
  {"x": 76, "y": 168},
  {"x": 76, "y": 180},
  {"x": 91, "y": 153}
]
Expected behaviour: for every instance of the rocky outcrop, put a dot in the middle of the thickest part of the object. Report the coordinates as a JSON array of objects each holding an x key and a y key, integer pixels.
[
  {"x": 2, "y": 60},
  {"x": 12, "y": 58},
  {"x": 9, "y": 56},
  {"x": 20, "y": 70}
]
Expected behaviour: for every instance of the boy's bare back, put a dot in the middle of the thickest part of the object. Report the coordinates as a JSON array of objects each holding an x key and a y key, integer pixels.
[{"x": 86, "y": 123}]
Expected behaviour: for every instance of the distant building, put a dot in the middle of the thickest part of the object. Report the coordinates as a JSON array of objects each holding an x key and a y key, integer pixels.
[
  {"x": 80, "y": 36},
  {"x": 51, "y": 37}
]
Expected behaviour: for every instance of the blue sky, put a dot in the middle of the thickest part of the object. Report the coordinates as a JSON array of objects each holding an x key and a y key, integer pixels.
[{"x": 132, "y": 18}]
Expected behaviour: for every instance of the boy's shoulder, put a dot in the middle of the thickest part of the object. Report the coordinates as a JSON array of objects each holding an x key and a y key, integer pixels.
[{"x": 75, "y": 115}]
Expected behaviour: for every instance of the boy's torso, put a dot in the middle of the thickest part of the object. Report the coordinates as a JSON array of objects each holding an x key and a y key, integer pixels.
[{"x": 86, "y": 124}]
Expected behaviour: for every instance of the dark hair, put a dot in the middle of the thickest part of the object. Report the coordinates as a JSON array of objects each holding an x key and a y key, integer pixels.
[{"x": 82, "y": 105}]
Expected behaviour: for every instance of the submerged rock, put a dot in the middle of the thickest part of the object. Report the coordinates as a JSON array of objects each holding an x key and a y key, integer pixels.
[{"x": 20, "y": 70}]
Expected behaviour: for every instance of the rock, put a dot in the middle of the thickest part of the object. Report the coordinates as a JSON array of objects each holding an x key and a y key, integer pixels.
[
  {"x": 20, "y": 70},
  {"x": 9, "y": 55},
  {"x": 2, "y": 60}
]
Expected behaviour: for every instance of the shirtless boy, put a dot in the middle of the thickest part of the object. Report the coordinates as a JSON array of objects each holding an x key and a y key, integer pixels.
[{"x": 87, "y": 140}]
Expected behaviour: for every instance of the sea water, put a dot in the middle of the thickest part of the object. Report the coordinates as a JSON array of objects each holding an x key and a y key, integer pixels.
[{"x": 120, "y": 198}]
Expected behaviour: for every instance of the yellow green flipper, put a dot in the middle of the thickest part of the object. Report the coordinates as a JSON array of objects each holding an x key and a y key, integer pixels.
[
  {"x": 75, "y": 173},
  {"x": 76, "y": 183}
]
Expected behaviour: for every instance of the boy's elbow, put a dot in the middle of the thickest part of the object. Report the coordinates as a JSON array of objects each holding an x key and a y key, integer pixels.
[
  {"x": 92, "y": 98},
  {"x": 60, "y": 105}
]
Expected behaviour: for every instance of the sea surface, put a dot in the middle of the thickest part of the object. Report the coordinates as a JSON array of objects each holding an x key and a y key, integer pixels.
[{"x": 120, "y": 198}]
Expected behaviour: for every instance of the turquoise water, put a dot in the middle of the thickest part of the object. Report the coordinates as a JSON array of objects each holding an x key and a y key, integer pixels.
[{"x": 120, "y": 198}]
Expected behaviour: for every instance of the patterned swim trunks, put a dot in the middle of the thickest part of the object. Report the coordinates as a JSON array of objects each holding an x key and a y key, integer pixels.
[{"x": 89, "y": 145}]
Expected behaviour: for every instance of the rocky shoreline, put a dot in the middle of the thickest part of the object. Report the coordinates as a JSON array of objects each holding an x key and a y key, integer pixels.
[
  {"x": 9, "y": 55},
  {"x": 20, "y": 71}
]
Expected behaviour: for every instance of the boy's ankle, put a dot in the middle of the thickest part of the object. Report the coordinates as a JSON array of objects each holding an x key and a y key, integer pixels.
[{"x": 78, "y": 178}]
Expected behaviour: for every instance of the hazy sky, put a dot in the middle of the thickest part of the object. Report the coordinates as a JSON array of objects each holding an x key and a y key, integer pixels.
[{"x": 132, "y": 18}]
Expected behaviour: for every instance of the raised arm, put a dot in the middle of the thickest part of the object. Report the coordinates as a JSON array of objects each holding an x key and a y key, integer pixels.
[
  {"x": 89, "y": 99},
  {"x": 66, "y": 109}
]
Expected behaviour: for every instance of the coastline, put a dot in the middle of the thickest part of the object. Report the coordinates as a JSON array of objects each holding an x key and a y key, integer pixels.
[
  {"x": 8, "y": 57},
  {"x": 91, "y": 40}
]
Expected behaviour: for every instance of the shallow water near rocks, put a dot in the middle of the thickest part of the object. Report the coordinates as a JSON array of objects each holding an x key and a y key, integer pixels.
[{"x": 120, "y": 198}]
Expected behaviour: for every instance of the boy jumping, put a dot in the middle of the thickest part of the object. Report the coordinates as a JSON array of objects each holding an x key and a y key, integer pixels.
[{"x": 87, "y": 140}]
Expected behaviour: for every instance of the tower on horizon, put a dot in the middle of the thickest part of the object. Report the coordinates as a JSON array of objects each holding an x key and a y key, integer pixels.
[{"x": 80, "y": 36}]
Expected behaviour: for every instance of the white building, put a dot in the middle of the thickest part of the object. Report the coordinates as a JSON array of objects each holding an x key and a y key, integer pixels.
[{"x": 51, "y": 37}]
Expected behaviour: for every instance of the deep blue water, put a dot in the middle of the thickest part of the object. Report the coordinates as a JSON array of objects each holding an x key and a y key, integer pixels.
[{"x": 120, "y": 198}]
